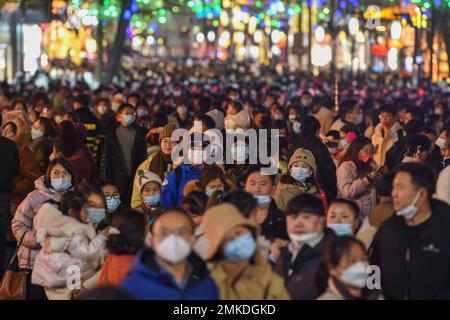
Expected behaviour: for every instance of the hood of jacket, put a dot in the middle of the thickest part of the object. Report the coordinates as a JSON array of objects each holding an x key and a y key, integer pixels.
[
  {"x": 39, "y": 184},
  {"x": 19, "y": 118},
  {"x": 220, "y": 219},
  {"x": 392, "y": 131}
]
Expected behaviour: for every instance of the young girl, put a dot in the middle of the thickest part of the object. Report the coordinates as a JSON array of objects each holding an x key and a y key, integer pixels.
[
  {"x": 149, "y": 185},
  {"x": 126, "y": 239},
  {"x": 71, "y": 249},
  {"x": 300, "y": 179}
]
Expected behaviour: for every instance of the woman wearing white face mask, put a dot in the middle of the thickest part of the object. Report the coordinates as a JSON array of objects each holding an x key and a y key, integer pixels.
[
  {"x": 235, "y": 259},
  {"x": 68, "y": 238},
  {"x": 58, "y": 179},
  {"x": 43, "y": 134},
  {"x": 347, "y": 263},
  {"x": 300, "y": 179}
]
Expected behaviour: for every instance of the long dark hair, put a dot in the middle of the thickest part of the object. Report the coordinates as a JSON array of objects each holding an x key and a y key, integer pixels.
[
  {"x": 72, "y": 200},
  {"x": 131, "y": 225},
  {"x": 353, "y": 152}
]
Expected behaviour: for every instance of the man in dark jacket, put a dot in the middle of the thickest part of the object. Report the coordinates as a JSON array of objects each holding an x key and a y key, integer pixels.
[
  {"x": 87, "y": 118},
  {"x": 9, "y": 163},
  {"x": 412, "y": 248},
  {"x": 299, "y": 261},
  {"x": 122, "y": 151},
  {"x": 170, "y": 270}
]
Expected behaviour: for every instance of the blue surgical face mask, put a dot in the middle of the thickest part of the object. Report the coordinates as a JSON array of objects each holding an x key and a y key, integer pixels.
[
  {"x": 61, "y": 184},
  {"x": 240, "y": 249},
  {"x": 359, "y": 119},
  {"x": 112, "y": 204},
  {"x": 344, "y": 143},
  {"x": 296, "y": 127},
  {"x": 128, "y": 119},
  {"x": 300, "y": 174},
  {"x": 96, "y": 215},
  {"x": 262, "y": 200},
  {"x": 152, "y": 201},
  {"x": 341, "y": 229}
]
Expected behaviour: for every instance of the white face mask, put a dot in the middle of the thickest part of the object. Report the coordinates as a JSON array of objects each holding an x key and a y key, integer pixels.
[
  {"x": 115, "y": 106},
  {"x": 292, "y": 117},
  {"x": 410, "y": 210},
  {"x": 356, "y": 275},
  {"x": 239, "y": 153},
  {"x": 173, "y": 248},
  {"x": 102, "y": 110},
  {"x": 304, "y": 238},
  {"x": 359, "y": 119},
  {"x": 262, "y": 200},
  {"x": 195, "y": 156},
  {"x": 341, "y": 229},
  {"x": 441, "y": 143},
  {"x": 36, "y": 133}
]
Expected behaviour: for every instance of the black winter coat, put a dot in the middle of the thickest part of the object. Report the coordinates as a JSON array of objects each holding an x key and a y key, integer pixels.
[
  {"x": 421, "y": 271},
  {"x": 301, "y": 283},
  {"x": 113, "y": 165}
]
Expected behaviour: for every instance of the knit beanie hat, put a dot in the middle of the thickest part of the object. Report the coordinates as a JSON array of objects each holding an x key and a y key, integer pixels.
[
  {"x": 305, "y": 156},
  {"x": 167, "y": 131},
  {"x": 145, "y": 176}
]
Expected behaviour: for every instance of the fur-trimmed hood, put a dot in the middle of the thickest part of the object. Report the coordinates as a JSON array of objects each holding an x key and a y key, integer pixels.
[{"x": 19, "y": 118}]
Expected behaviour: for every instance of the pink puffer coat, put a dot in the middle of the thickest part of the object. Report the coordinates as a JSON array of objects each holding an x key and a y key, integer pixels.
[
  {"x": 23, "y": 220},
  {"x": 68, "y": 246}
]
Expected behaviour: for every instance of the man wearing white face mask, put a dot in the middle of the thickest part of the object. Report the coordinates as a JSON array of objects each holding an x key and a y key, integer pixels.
[
  {"x": 267, "y": 215},
  {"x": 415, "y": 241},
  {"x": 123, "y": 150},
  {"x": 298, "y": 262},
  {"x": 170, "y": 270}
]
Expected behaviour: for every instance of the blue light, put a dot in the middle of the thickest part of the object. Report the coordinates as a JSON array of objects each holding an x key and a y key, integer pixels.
[
  {"x": 338, "y": 13},
  {"x": 406, "y": 3},
  {"x": 127, "y": 15},
  {"x": 437, "y": 3},
  {"x": 343, "y": 4},
  {"x": 134, "y": 7}
]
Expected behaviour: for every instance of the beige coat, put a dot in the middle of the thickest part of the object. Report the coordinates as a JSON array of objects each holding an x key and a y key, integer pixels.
[
  {"x": 383, "y": 144},
  {"x": 355, "y": 188},
  {"x": 256, "y": 282}
]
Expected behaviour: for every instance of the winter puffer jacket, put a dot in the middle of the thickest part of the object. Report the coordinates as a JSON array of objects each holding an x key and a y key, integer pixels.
[
  {"x": 23, "y": 220},
  {"x": 354, "y": 187},
  {"x": 65, "y": 242},
  {"x": 172, "y": 188},
  {"x": 148, "y": 281}
]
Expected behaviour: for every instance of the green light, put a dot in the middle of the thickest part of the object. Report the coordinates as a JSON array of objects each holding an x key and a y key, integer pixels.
[
  {"x": 162, "y": 20},
  {"x": 291, "y": 11},
  {"x": 258, "y": 4},
  {"x": 427, "y": 5},
  {"x": 162, "y": 12},
  {"x": 261, "y": 16},
  {"x": 138, "y": 24},
  {"x": 146, "y": 1},
  {"x": 298, "y": 9},
  {"x": 321, "y": 16},
  {"x": 190, "y": 4},
  {"x": 176, "y": 9},
  {"x": 215, "y": 23},
  {"x": 106, "y": 3}
]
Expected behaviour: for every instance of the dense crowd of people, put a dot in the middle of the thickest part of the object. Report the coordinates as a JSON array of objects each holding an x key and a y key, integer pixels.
[{"x": 89, "y": 184}]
